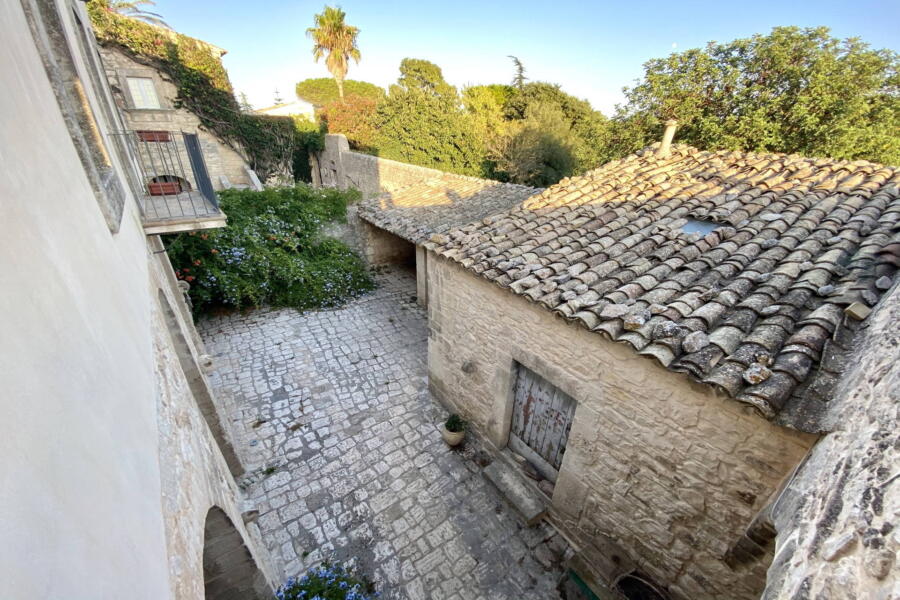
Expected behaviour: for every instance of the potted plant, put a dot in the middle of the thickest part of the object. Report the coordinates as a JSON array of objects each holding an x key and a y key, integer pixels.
[{"x": 454, "y": 430}]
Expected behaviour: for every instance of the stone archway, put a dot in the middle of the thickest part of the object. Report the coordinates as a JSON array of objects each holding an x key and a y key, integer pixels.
[{"x": 229, "y": 571}]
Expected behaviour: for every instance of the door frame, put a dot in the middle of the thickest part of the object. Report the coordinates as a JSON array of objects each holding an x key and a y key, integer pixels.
[{"x": 500, "y": 421}]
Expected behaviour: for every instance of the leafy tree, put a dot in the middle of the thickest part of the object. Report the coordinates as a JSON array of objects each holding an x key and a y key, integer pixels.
[
  {"x": 794, "y": 90},
  {"x": 132, "y": 9},
  {"x": 332, "y": 36},
  {"x": 519, "y": 78},
  {"x": 323, "y": 90},
  {"x": 355, "y": 118},
  {"x": 244, "y": 103},
  {"x": 423, "y": 122},
  {"x": 541, "y": 151}
]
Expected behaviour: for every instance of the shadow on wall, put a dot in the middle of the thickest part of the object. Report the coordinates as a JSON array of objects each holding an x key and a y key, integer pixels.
[{"x": 229, "y": 571}]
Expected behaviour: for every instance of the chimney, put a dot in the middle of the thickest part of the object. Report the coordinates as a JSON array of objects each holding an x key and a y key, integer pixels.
[{"x": 666, "y": 144}]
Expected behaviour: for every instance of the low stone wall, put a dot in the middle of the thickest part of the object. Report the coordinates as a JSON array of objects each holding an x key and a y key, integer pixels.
[
  {"x": 342, "y": 168},
  {"x": 658, "y": 470},
  {"x": 837, "y": 520}
]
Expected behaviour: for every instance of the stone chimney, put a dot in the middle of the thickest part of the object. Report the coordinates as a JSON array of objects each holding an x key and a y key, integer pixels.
[{"x": 666, "y": 144}]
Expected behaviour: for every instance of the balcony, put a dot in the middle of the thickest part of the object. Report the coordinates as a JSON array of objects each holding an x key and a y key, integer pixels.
[{"x": 174, "y": 187}]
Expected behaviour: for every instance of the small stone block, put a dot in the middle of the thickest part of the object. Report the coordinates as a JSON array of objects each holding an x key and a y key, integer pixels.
[
  {"x": 530, "y": 503},
  {"x": 858, "y": 311}
]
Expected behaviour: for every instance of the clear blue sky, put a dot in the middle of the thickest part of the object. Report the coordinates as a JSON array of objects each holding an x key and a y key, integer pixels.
[{"x": 592, "y": 49}]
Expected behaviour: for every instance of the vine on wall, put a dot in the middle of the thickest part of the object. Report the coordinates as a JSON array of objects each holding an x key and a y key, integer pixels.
[{"x": 273, "y": 145}]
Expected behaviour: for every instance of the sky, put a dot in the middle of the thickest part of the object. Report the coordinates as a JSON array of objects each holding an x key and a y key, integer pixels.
[{"x": 592, "y": 49}]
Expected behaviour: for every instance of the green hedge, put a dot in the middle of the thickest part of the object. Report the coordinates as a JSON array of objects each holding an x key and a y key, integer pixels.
[{"x": 272, "y": 252}]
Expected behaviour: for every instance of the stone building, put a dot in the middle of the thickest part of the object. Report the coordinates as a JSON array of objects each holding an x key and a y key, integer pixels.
[
  {"x": 147, "y": 97},
  {"x": 117, "y": 478},
  {"x": 743, "y": 277}
]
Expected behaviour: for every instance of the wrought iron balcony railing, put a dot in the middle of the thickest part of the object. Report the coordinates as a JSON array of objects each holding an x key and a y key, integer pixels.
[{"x": 175, "y": 188}]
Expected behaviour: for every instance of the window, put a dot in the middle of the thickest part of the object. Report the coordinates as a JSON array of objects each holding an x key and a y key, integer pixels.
[
  {"x": 143, "y": 93},
  {"x": 699, "y": 226}
]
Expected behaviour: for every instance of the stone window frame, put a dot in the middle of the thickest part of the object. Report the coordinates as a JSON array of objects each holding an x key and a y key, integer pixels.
[
  {"x": 123, "y": 73},
  {"x": 47, "y": 20}
]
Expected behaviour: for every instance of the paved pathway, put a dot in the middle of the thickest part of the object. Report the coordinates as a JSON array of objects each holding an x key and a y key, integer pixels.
[{"x": 332, "y": 417}]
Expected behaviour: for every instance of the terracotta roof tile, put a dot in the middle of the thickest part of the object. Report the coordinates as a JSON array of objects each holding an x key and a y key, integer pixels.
[
  {"x": 799, "y": 239},
  {"x": 440, "y": 202}
]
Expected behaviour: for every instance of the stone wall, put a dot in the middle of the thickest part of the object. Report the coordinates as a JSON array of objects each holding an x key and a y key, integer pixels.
[
  {"x": 837, "y": 521},
  {"x": 221, "y": 159},
  {"x": 658, "y": 470},
  {"x": 342, "y": 168}
]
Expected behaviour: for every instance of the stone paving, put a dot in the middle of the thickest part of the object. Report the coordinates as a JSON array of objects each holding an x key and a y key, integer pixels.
[{"x": 331, "y": 415}]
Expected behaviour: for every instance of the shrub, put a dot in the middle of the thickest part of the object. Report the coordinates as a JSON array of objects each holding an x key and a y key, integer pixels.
[
  {"x": 271, "y": 252},
  {"x": 455, "y": 423},
  {"x": 327, "y": 582},
  {"x": 354, "y": 117}
]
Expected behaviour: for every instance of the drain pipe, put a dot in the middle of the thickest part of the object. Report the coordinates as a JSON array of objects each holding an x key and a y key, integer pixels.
[{"x": 666, "y": 146}]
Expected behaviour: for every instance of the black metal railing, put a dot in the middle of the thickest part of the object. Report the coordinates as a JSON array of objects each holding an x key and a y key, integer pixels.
[{"x": 174, "y": 181}]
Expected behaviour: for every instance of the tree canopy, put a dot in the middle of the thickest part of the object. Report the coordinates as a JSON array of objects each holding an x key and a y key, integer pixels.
[
  {"x": 794, "y": 90},
  {"x": 422, "y": 121},
  {"x": 323, "y": 90}
]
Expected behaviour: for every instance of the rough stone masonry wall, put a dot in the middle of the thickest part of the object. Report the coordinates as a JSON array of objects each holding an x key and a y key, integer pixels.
[
  {"x": 194, "y": 475},
  {"x": 342, "y": 168},
  {"x": 221, "y": 159},
  {"x": 655, "y": 464},
  {"x": 838, "y": 534}
]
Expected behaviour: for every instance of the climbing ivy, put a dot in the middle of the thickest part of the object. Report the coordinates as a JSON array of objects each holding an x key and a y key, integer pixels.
[{"x": 203, "y": 88}]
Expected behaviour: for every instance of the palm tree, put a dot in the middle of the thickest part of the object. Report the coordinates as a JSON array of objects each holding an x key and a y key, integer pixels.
[
  {"x": 331, "y": 35},
  {"x": 132, "y": 8}
]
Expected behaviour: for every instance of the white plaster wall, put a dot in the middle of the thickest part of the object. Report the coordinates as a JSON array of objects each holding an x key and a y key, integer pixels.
[
  {"x": 107, "y": 466},
  {"x": 656, "y": 466},
  {"x": 80, "y": 513}
]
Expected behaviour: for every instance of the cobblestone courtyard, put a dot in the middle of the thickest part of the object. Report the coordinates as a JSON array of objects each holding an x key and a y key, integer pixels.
[{"x": 332, "y": 417}]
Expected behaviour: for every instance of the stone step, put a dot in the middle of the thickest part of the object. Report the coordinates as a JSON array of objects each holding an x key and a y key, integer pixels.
[{"x": 530, "y": 503}]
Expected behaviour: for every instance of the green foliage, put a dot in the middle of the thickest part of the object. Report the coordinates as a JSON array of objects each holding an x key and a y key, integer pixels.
[
  {"x": 327, "y": 582},
  {"x": 423, "y": 122},
  {"x": 203, "y": 87},
  {"x": 336, "y": 41},
  {"x": 271, "y": 252},
  {"x": 455, "y": 423},
  {"x": 308, "y": 137},
  {"x": 794, "y": 90},
  {"x": 519, "y": 78},
  {"x": 540, "y": 152},
  {"x": 355, "y": 118},
  {"x": 323, "y": 90}
]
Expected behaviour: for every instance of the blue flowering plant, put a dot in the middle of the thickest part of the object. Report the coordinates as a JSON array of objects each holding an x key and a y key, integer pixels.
[
  {"x": 273, "y": 252},
  {"x": 329, "y": 581}
]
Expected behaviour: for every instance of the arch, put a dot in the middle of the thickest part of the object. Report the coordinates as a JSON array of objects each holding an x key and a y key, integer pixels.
[
  {"x": 637, "y": 586},
  {"x": 199, "y": 388},
  {"x": 229, "y": 571}
]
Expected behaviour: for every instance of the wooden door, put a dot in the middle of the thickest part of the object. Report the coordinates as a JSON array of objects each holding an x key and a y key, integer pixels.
[{"x": 541, "y": 420}]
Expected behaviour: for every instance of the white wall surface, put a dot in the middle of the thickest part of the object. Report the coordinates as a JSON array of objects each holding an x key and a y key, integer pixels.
[{"x": 80, "y": 513}]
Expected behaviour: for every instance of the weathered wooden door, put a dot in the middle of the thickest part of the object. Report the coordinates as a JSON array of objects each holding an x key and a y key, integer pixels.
[{"x": 541, "y": 420}]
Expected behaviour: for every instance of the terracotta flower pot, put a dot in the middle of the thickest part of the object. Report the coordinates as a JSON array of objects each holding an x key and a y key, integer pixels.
[{"x": 453, "y": 438}]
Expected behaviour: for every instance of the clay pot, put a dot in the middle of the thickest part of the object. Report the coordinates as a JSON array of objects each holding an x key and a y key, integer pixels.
[{"x": 453, "y": 438}]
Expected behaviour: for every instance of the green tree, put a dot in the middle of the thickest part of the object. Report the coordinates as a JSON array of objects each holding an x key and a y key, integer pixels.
[
  {"x": 541, "y": 150},
  {"x": 794, "y": 90},
  {"x": 335, "y": 40},
  {"x": 423, "y": 122},
  {"x": 519, "y": 78},
  {"x": 323, "y": 90},
  {"x": 244, "y": 103}
]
